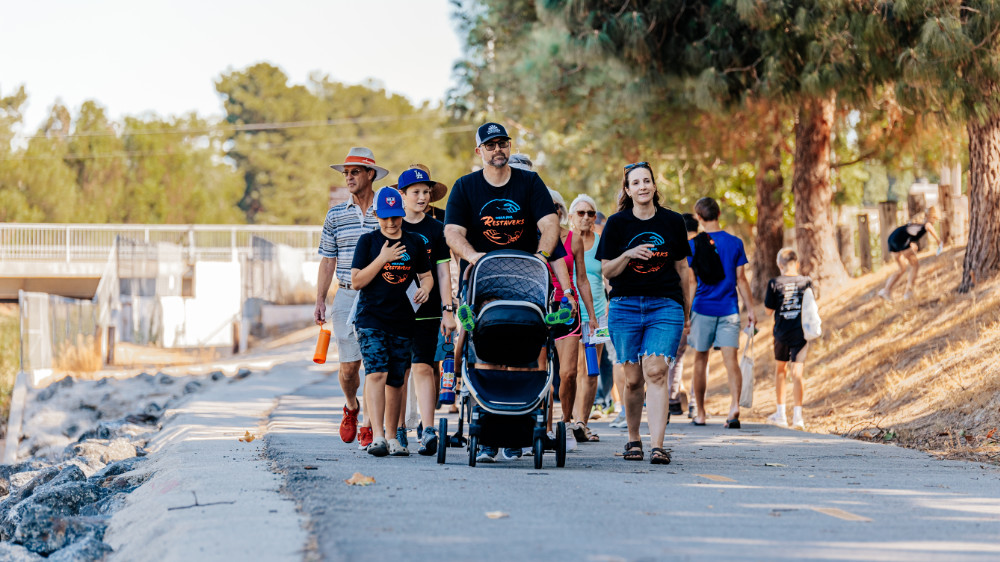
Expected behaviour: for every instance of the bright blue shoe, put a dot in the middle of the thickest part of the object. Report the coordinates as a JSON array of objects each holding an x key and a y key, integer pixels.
[
  {"x": 401, "y": 436},
  {"x": 487, "y": 455}
]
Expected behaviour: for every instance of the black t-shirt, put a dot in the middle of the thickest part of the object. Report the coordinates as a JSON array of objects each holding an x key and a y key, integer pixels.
[
  {"x": 901, "y": 238},
  {"x": 431, "y": 233},
  {"x": 498, "y": 218},
  {"x": 784, "y": 297},
  {"x": 383, "y": 303},
  {"x": 656, "y": 277}
]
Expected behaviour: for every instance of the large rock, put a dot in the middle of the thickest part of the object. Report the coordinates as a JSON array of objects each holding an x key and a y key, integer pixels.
[
  {"x": 42, "y": 531},
  {"x": 88, "y": 548},
  {"x": 10, "y": 552},
  {"x": 115, "y": 429},
  {"x": 115, "y": 469},
  {"x": 71, "y": 473},
  {"x": 64, "y": 499},
  {"x": 102, "y": 450},
  {"x": 107, "y": 506}
]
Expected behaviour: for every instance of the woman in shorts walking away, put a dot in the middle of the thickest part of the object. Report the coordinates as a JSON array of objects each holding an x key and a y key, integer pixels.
[
  {"x": 643, "y": 251},
  {"x": 903, "y": 246}
]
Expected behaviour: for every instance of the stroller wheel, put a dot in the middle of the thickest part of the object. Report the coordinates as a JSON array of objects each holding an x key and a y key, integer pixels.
[
  {"x": 561, "y": 444},
  {"x": 442, "y": 440},
  {"x": 539, "y": 450},
  {"x": 473, "y": 446}
]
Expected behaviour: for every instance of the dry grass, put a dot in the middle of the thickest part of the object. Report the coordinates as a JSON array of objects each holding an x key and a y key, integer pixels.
[
  {"x": 10, "y": 356},
  {"x": 922, "y": 373},
  {"x": 82, "y": 357}
]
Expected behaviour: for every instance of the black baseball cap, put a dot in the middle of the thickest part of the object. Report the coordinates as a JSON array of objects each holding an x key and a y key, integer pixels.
[{"x": 490, "y": 131}]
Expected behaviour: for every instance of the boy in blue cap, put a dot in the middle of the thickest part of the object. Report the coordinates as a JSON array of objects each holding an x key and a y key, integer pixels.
[{"x": 387, "y": 262}]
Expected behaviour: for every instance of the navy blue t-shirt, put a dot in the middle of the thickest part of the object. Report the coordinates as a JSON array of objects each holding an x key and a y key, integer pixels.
[
  {"x": 431, "y": 233},
  {"x": 721, "y": 299},
  {"x": 657, "y": 276},
  {"x": 384, "y": 304}
]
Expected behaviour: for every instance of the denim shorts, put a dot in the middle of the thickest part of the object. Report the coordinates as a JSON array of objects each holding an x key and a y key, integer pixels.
[
  {"x": 714, "y": 331},
  {"x": 644, "y": 326},
  {"x": 383, "y": 352},
  {"x": 347, "y": 344}
]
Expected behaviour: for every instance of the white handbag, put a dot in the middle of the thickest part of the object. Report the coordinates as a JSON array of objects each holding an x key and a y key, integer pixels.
[
  {"x": 812, "y": 325},
  {"x": 746, "y": 368}
]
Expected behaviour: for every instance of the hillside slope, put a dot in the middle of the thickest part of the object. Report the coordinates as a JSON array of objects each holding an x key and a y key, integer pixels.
[{"x": 922, "y": 373}]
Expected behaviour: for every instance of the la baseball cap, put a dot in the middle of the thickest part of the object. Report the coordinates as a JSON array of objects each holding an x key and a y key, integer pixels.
[
  {"x": 389, "y": 203},
  {"x": 490, "y": 131}
]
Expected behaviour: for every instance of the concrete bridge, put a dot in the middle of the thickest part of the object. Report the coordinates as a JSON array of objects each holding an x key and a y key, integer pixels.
[{"x": 69, "y": 259}]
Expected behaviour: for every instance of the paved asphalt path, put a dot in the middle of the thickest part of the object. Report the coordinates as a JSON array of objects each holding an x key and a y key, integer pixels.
[{"x": 758, "y": 493}]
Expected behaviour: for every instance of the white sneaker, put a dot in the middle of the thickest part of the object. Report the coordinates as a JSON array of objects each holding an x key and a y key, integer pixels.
[
  {"x": 619, "y": 421},
  {"x": 885, "y": 295},
  {"x": 570, "y": 441},
  {"x": 797, "y": 423},
  {"x": 777, "y": 419}
]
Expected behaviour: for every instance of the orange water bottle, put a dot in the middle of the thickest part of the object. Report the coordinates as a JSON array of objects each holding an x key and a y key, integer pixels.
[{"x": 322, "y": 345}]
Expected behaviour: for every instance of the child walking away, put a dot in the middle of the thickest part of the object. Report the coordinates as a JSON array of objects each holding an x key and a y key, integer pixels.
[
  {"x": 784, "y": 300},
  {"x": 388, "y": 264}
]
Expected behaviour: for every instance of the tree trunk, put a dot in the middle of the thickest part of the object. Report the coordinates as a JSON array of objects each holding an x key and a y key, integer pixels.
[
  {"x": 982, "y": 254},
  {"x": 814, "y": 232},
  {"x": 770, "y": 222}
]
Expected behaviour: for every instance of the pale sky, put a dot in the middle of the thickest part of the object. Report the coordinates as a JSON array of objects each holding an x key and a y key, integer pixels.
[{"x": 134, "y": 56}]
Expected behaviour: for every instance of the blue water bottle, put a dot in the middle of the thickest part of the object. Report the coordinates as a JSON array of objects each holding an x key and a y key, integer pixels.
[
  {"x": 593, "y": 363},
  {"x": 446, "y": 394},
  {"x": 565, "y": 304}
]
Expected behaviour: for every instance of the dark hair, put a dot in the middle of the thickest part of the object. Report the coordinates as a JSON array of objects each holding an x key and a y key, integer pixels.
[
  {"x": 625, "y": 201},
  {"x": 707, "y": 209},
  {"x": 690, "y": 223}
]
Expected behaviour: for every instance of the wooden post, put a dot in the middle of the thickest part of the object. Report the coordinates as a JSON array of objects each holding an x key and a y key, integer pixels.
[
  {"x": 886, "y": 223},
  {"x": 845, "y": 245},
  {"x": 864, "y": 243},
  {"x": 917, "y": 203},
  {"x": 946, "y": 206}
]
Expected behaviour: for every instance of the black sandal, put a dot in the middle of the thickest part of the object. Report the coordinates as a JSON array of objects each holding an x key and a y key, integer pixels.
[
  {"x": 633, "y": 451},
  {"x": 659, "y": 456}
]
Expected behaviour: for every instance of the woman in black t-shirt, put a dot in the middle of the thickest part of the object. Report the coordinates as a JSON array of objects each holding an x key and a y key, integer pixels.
[
  {"x": 903, "y": 247},
  {"x": 643, "y": 251}
]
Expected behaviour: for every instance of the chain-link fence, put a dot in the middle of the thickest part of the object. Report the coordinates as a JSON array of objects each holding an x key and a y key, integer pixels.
[{"x": 58, "y": 333}]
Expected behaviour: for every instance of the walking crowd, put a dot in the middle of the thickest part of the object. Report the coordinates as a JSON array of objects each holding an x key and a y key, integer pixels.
[{"x": 641, "y": 287}]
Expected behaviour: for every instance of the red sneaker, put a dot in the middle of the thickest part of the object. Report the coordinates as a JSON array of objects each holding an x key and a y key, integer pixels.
[
  {"x": 364, "y": 437},
  {"x": 349, "y": 425}
]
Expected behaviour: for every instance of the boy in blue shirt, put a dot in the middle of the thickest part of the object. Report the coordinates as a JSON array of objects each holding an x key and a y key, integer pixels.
[
  {"x": 715, "y": 314},
  {"x": 386, "y": 263}
]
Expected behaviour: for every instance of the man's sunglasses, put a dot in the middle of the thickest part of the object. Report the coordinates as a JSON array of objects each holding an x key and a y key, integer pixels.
[
  {"x": 491, "y": 145},
  {"x": 354, "y": 172},
  {"x": 635, "y": 165},
  {"x": 586, "y": 213}
]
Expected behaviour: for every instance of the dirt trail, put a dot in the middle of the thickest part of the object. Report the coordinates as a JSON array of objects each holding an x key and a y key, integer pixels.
[{"x": 921, "y": 373}]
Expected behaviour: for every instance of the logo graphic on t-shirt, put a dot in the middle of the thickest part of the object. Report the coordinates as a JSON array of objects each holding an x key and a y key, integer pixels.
[
  {"x": 427, "y": 243},
  {"x": 659, "y": 257},
  {"x": 397, "y": 271},
  {"x": 791, "y": 305},
  {"x": 502, "y": 221}
]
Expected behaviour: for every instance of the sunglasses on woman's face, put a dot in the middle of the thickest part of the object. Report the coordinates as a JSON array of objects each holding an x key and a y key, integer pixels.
[
  {"x": 586, "y": 213},
  {"x": 635, "y": 165}
]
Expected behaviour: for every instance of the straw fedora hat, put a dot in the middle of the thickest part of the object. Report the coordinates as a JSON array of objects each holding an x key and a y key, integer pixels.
[
  {"x": 361, "y": 156},
  {"x": 438, "y": 189}
]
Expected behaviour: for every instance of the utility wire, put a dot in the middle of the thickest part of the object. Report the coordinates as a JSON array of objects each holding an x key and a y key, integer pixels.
[{"x": 266, "y": 146}]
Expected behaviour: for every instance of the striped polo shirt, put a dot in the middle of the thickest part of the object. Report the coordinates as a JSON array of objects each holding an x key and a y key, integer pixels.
[{"x": 341, "y": 230}]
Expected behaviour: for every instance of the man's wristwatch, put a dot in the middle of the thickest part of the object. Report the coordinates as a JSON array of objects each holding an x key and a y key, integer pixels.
[{"x": 448, "y": 308}]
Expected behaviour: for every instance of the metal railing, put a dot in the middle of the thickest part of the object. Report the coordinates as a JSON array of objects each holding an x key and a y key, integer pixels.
[{"x": 92, "y": 242}]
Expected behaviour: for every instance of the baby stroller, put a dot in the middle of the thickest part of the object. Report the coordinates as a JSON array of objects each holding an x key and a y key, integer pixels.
[{"x": 505, "y": 393}]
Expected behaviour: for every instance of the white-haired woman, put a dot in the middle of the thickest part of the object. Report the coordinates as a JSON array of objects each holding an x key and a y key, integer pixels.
[
  {"x": 567, "y": 336},
  {"x": 582, "y": 215}
]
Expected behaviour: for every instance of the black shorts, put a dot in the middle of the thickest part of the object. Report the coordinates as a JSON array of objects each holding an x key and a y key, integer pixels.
[
  {"x": 794, "y": 352},
  {"x": 560, "y": 331},
  {"x": 424, "y": 342}
]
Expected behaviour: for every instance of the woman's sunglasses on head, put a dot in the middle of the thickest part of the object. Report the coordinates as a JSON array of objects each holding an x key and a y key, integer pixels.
[{"x": 634, "y": 165}]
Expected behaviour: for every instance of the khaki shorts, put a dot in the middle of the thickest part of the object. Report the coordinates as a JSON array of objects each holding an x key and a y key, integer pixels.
[{"x": 347, "y": 342}]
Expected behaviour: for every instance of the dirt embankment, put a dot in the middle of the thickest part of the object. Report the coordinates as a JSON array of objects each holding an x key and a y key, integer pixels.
[{"x": 922, "y": 373}]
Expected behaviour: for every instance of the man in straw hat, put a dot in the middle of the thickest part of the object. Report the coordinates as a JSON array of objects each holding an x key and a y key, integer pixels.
[{"x": 344, "y": 224}]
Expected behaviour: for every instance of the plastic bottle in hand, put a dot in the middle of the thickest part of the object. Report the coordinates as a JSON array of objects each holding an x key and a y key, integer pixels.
[
  {"x": 447, "y": 392},
  {"x": 565, "y": 304},
  {"x": 322, "y": 345}
]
